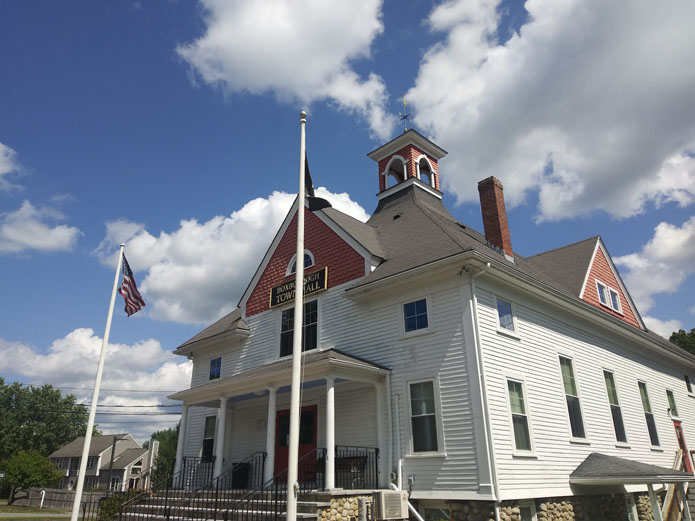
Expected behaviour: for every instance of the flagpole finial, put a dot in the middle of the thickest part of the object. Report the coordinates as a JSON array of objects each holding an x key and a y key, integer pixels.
[
  {"x": 122, "y": 245},
  {"x": 302, "y": 115}
]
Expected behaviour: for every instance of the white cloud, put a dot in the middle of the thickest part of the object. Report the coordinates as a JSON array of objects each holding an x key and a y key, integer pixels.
[
  {"x": 8, "y": 167},
  {"x": 198, "y": 272},
  {"x": 72, "y": 361},
  {"x": 299, "y": 50},
  {"x": 665, "y": 328},
  {"x": 663, "y": 263},
  {"x": 28, "y": 228},
  {"x": 591, "y": 104}
]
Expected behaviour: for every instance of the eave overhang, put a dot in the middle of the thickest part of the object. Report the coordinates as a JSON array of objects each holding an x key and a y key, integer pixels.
[{"x": 211, "y": 341}]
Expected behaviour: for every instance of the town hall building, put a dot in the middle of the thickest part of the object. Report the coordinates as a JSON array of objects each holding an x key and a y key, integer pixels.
[{"x": 439, "y": 361}]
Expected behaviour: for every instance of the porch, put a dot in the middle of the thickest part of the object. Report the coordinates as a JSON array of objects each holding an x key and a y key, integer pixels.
[{"x": 343, "y": 423}]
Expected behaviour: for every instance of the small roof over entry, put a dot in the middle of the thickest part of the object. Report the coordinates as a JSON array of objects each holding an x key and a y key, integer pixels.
[{"x": 600, "y": 469}]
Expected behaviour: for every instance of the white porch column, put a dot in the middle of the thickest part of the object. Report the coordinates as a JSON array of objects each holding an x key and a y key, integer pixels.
[
  {"x": 182, "y": 438},
  {"x": 219, "y": 436},
  {"x": 656, "y": 511},
  {"x": 686, "y": 508},
  {"x": 330, "y": 433},
  {"x": 270, "y": 435},
  {"x": 380, "y": 435}
]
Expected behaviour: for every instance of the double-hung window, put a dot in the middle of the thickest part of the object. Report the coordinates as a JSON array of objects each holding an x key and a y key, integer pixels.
[
  {"x": 215, "y": 368},
  {"x": 688, "y": 384},
  {"x": 208, "y": 439},
  {"x": 672, "y": 403},
  {"x": 616, "y": 412},
  {"x": 648, "y": 415},
  {"x": 309, "y": 328},
  {"x": 423, "y": 416},
  {"x": 574, "y": 408},
  {"x": 415, "y": 315},
  {"x": 517, "y": 406},
  {"x": 504, "y": 315}
]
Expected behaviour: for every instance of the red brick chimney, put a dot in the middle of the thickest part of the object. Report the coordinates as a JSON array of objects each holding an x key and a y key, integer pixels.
[{"x": 495, "y": 214}]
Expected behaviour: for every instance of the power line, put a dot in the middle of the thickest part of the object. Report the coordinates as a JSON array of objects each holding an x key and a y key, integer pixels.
[{"x": 109, "y": 390}]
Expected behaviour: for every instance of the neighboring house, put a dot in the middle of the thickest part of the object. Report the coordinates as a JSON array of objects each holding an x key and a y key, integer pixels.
[
  {"x": 438, "y": 358},
  {"x": 130, "y": 466}
]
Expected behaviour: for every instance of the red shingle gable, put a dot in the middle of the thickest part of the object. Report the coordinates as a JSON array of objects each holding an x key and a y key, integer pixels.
[
  {"x": 328, "y": 248},
  {"x": 600, "y": 270}
]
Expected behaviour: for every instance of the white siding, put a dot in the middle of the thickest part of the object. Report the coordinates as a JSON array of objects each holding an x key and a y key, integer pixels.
[{"x": 544, "y": 335}]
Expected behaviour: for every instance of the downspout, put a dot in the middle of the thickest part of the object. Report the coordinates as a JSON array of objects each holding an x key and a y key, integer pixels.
[
  {"x": 389, "y": 414},
  {"x": 399, "y": 470},
  {"x": 483, "y": 388}
]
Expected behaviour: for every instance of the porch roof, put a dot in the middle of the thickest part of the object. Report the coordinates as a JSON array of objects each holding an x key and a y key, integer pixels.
[
  {"x": 600, "y": 469},
  {"x": 317, "y": 365}
]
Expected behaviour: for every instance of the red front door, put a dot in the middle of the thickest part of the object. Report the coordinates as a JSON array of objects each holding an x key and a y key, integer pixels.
[
  {"x": 681, "y": 443},
  {"x": 307, "y": 438}
]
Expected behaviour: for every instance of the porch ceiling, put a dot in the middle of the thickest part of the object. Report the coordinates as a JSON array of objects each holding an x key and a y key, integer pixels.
[{"x": 316, "y": 365}]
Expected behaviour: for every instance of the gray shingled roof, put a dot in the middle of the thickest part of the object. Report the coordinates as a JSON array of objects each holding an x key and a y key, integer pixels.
[
  {"x": 363, "y": 233},
  {"x": 98, "y": 445},
  {"x": 230, "y": 322},
  {"x": 125, "y": 458},
  {"x": 599, "y": 467},
  {"x": 567, "y": 265}
]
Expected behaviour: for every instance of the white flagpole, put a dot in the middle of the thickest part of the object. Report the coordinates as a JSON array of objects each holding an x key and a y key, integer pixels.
[
  {"x": 95, "y": 397},
  {"x": 292, "y": 485}
]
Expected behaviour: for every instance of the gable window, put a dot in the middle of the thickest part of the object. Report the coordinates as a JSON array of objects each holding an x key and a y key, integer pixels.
[
  {"x": 308, "y": 261},
  {"x": 423, "y": 416},
  {"x": 615, "y": 300},
  {"x": 688, "y": 384},
  {"x": 215, "y": 368},
  {"x": 672, "y": 403},
  {"x": 602, "y": 292},
  {"x": 415, "y": 315},
  {"x": 609, "y": 297},
  {"x": 309, "y": 326},
  {"x": 616, "y": 412},
  {"x": 648, "y": 414},
  {"x": 504, "y": 315},
  {"x": 574, "y": 408},
  {"x": 208, "y": 439},
  {"x": 517, "y": 405}
]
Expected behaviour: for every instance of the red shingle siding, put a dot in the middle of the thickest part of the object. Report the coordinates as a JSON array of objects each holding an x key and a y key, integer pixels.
[
  {"x": 344, "y": 263},
  {"x": 601, "y": 270},
  {"x": 410, "y": 153}
]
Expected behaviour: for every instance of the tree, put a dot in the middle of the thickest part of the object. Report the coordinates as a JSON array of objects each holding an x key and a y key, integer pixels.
[
  {"x": 29, "y": 469},
  {"x": 685, "y": 340},
  {"x": 166, "y": 456},
  {"x": 37, "y": 418}
]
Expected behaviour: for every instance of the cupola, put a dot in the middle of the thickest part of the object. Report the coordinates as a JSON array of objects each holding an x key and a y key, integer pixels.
[{"x": 408, "y": 159}]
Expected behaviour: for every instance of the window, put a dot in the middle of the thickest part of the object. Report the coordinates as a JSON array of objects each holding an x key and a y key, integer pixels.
[
  {"x": 58, "y": 462},
  {"x": 423, "y": 417},
  {"x": 527, "y": 510},
  {"x": 415, "y": 315},
  {"x": 517, "y": 405},
  {"x": 90, "y": 482},
  {"x": 648, "y": 415},
  {"x": 609, "y": 297},
  {"x": 309, "y": 326},
  {"x": 672, "y": 403},
  {"x": 75, "y": 463},
  {"x": 308, "y": 261},
  {"x": 208, "y": 439},
  {"x": 91, "y": 462},
  {"x": 618, "y": 425},
  {"x": 504, "y": 315},
  {"x": 215, "y": 367},
  {"x": 572, "y": 397},
  {"x": 115, "y": 483},
  {"x": 688, "y": 384}
]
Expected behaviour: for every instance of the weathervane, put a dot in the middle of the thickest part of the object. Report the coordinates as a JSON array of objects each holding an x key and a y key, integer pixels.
[{"x": 405, "y": 116}]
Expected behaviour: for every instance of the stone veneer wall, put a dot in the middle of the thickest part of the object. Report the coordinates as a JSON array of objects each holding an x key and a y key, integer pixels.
[
  {"x": 644, "y": 507},
  {"x": 343, "y": 509}
]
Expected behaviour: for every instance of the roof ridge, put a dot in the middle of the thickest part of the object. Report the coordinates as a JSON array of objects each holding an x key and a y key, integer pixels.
[
  {"x": 427, "y": 214},
  {"x": 564, "y": 247}
]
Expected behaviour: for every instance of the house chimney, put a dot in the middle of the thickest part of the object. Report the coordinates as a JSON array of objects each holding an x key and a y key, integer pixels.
[{"x": 495, "y": 214}]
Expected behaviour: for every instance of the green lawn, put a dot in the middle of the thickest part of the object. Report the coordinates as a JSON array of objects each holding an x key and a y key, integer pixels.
[{"x": 13, "y": 509}]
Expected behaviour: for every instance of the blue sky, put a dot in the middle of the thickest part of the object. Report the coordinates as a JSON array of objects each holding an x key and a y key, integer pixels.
[{"x": 173, "y": 126}]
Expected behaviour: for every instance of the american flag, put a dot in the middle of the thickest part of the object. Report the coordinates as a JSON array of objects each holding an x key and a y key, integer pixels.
[{"x": 133, "y": 299}]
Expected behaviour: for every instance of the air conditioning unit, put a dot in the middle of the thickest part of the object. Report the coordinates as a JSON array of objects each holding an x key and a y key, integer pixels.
[{"x": 391, "y": 504}]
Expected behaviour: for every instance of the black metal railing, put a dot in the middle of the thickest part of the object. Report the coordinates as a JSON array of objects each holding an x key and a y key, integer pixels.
[
  {"x": 195, "y": 473},
  {"x": 270, "y": 502},
  {"x": 356, "y": 467},
  {"x": 169, "y": 499}
]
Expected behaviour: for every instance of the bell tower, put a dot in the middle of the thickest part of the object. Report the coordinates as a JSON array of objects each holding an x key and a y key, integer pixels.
[{"x": 409, "y": 156}]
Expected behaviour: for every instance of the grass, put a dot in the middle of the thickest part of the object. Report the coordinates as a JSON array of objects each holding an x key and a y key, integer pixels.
[{"x": 14, "y": 509}]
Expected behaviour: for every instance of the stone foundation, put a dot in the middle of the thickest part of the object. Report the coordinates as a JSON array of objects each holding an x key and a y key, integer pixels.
[
  {"x": 344, "y": 509},
  {"x": 472, "y": 510},
  {"x": 644, "y": 507}
]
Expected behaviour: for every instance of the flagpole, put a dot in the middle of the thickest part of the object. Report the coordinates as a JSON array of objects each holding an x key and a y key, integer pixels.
[
  {"x": 95, "y": 396},
  {"x": 292, "y": 460}
]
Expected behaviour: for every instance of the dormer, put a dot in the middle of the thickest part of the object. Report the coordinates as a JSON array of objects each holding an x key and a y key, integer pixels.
[{"x": 408, "y": 159}]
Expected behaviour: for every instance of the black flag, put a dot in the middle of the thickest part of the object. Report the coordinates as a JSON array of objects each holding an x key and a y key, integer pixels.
[{"x": 314, "y": 203}]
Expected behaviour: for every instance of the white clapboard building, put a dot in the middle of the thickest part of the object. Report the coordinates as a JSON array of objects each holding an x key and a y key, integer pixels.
[{"x": 440, "y": 361}]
